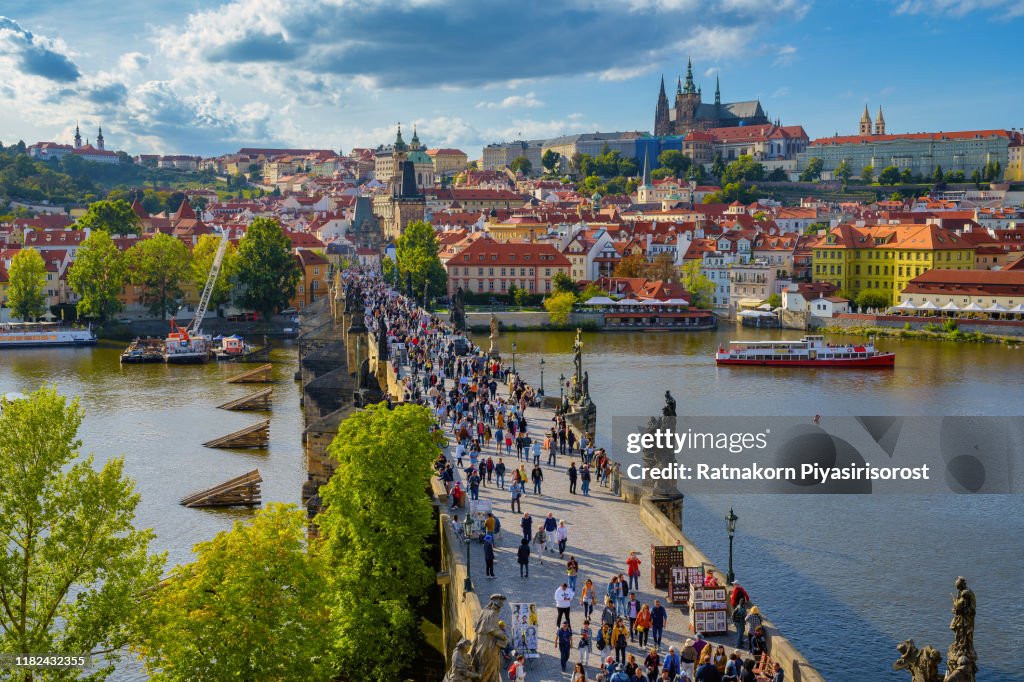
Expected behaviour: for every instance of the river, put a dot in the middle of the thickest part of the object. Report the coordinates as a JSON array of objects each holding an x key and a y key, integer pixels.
[{"x": 845, "y": 592}]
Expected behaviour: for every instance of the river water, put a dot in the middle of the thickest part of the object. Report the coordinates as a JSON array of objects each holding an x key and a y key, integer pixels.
[{"x": 845, "y": 592}]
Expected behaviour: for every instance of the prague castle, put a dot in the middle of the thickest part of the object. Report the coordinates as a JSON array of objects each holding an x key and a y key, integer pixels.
[{"x": 690, "y": 113}]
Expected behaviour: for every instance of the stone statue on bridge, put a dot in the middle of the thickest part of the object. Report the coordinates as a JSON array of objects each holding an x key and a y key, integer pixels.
[
  {"x": 458, "y": 311},
  {"x": 670, "y": 405},
  {"x": 577, "y": 361},
  {"x": 961, "y": 659},
  {"x": 463, "y": 668},
  {"x": 493, "y": 350},
  {"x": 922, "y": 664},
  {"x": 490, "y": 640}
]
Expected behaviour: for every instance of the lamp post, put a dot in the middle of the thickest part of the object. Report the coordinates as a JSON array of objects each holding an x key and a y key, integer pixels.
[
  {"x": 561, "y": 389},
  {"x": 730, "y": 526},
  {"x": 514, "y": 357},
  {"x": 467, "y": 530},
  {"x": 542, "y": 375}
]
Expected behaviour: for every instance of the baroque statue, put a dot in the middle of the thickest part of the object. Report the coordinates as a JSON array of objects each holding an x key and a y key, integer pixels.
[
  {"x": 922, "y": 664},
  {"x": 490, "y": 640},
  {"x": 670, "y": 405},
  {"x": 961, "y": 659},
  {"x": 463, "y": 669}
]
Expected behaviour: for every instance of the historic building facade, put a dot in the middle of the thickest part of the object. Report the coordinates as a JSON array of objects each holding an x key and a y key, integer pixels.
[{"x": 689, "y": 113}]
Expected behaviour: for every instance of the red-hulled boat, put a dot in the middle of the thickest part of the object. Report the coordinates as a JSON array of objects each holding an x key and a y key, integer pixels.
[{"x": 810, "y": 351}]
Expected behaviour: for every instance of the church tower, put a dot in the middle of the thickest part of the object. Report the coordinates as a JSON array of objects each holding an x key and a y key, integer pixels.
[
  {"x": 399, "y": 154},
  {"x": 718, "y": 93},
  {"x": 879, "y": 123},
  {"x": 78, "y": 137},
  {"x": 687, "y": 102},
  {"x": 662, "y": 124},
  {"x": 865, "y": 122},
  {"x": 99, "y": 139}
]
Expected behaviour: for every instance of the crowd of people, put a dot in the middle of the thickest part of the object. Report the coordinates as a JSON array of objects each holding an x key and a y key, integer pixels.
[{"x": 495, "y": 442}]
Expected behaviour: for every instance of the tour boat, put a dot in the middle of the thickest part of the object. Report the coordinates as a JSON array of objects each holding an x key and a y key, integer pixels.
[
  {"x": 34, "y": 334},
  {"x": 810, "y": 351}
]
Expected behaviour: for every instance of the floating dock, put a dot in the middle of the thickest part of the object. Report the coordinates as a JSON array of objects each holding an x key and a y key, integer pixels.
[{"x": 242, "y": 491}]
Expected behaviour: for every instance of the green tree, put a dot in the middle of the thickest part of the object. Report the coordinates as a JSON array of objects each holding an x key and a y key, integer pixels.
[
  {"x": 906, "y": 176},
  {"x": 743, "y": 168},
  {"x": 938, "y": 176},
  {"x": 267, "y": 271},
  {"x": 202, "y": 260},
  {"x": 890, "y": 175},
  {"x": 734, "y": 191},
  {"x": 559, "y": 306},
  {"x": 416, "y": 252},
  {"x": 563, "y": 282},
  {"x": 550, "y": 159},
  {"x": 632, "y": 265},
  {"x": 115, "y": 217},
  {"x": 159, "y": 265},
  {"x": 374, "y": 534},
  {"x": 717, "y": 166},
  {"x": 701, "y": 288},
  {"x": 663, "y": 267},
  {"x": 871, "y": 299},
  {"x": 26, "y": 287},
  {"x": 843, "y": 171},
  {"x": 813, "y": 170},
  {"x": 774, "y": 301},
  {"x": 97, "y": 276},
  {"x": 590, "y": 291},
  {"x": 777, "y": 175},
  {"x": 675, "y": 161},
  {"x": 976, "y": 179},
  {"x": 251, "y": 607},
  {"x": 867, "y": 174},
  {"x": 521, "y": 164},
  {"x": 521, "y": 297},
  {"x": 72, "y": 566}
]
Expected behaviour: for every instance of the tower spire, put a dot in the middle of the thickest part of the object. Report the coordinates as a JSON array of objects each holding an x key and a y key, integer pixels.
[
  {"x": 646, "y": 181},
  {"x": 78, "y": 136},
  {"x": 679, "y": 86},
  {"x": 879, "y": 122},
  {"x": 661, "y": 93},
  {"x": 690, "y": 88},
  {"x": 865, "y": 122},
  {"x": 718, "y": 91}
]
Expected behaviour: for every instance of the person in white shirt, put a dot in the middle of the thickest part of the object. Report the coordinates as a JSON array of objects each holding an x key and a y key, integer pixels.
[
  {"x": 563, "y": 600},
  {"x": 562, "y": 537}
]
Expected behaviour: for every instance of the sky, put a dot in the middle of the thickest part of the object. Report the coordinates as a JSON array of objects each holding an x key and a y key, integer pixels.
[{"x": 200, "y": 77}]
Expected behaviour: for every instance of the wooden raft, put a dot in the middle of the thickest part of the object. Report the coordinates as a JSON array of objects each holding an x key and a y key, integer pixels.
[
  {"x": 260, "y": 375},
  {"x": 260, "y": 400},
  {"x": 242, "y": 491},
  {"x": 254, "y": 436}
]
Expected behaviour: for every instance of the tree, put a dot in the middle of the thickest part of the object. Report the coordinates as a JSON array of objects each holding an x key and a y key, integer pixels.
[
  {"x": 550, "y": 159},
  {"x": 743, "y": 168},
  {"x": 938, "y": 176},
  {"x": 250, "y": 607},
  {"x": 717, "y": 166},
  {"x": 976, "y": 179},
  {"x": 72, "y": 566},
  {"x": 663, "y": 267},
  {"x": 520, "y": 297},
  {"x": 521, "y": 164},
  {"x": 675, "y": 161},
  {"x": 202, "y": 260},
  {"x": 696, "y": 172},
  {"x": 867, "y": 174},
  {"x": 374, "y": 534},
  {"x": 115, "y": 217},
  {"x": 631, "y": 265},
  {"x": 559, "y": 306},
  {"x": 906, "y": 176},
  {"x": 843, "y": 171},
  {"x": 734, "y": 191},
  {"x": 416, "y": 252},
  {"x": 890, "y": 175},
  {"x": 26, "y": 287},
  {"x": 590, "y": 291},
  {"x": 777, "y": 175},
  {"x": 267, "y": 270},
  {"x": 871, "y": 299},
  {"x": 563, "y": 282},
  {"x": 701, "y": 288},
  {"x": 774, "y": 301},
  {"x": 97, "y": 276},
  {"x": 159, "y": 265},
  {"x": 812, "y": 171}
]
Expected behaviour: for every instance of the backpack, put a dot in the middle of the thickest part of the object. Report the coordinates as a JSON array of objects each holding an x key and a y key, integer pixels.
[
  {"x": 620, "y": 641},
  {"x": 600, "y": 640},
  {"x": 512, "y": 670},
  {"x": 497, "y": 525}
]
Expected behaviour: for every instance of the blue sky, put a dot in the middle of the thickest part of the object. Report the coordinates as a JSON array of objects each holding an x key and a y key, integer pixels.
[{"x": 207, "y": 77}]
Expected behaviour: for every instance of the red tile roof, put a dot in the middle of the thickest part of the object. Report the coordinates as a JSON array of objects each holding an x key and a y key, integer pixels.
[
  {"x": 510, "y": 253},
  {"x": 935, "y": 137}
]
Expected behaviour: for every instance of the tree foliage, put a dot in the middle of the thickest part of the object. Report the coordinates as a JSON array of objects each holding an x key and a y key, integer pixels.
[
  {"x": 251, "y": 607},
  {"x": 890, "y": 175},
  {"x": 871, "y": 299},
  {"x": 563, "y": 282},
  {"x": 734, "y": 191},
  {"x": 663, "y": 267},
  {"x": 743, "y": 169},
  {"x": 675, "y": 161},
  {"x": 202, "y": 260},
  {"x": 26, "y": 286},
  {"x": 550, "y": 159},
  {"x": 631, "y": 265},
  {"x": 521, "y": 164},
  {"x": 115, "y": 217},
  {"x": 267, "y": 271},
  {"x": 843, "y": 171},
  {"x": 867, "y": 174},
  {"x": 777, "y": 175},
  {"x": 374, "y": 531},
  {"x": 416, "y": 252},
  {"x": 97, "y": 276},
  {"x": 71, "y": 564},
  {"x": 160, "y": 266},
  {"x": 559, "y": 306},
  {"x": 590, "y": 291},
  {"x": 701, "y": 288},
  {"x": 812, "y": 171}
]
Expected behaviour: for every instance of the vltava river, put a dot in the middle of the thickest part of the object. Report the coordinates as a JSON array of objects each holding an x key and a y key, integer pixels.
[{"x": 845, "y": 577}]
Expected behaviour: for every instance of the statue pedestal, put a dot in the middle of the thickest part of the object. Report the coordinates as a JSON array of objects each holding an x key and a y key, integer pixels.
[{"x": 670, "y": 504}]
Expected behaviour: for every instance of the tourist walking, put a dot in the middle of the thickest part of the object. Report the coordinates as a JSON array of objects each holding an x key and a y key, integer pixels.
[
  {"x": 526, "y": 524},
  {"x": 573, "y": 474},
  {"x": 739, "y": 619},
  {"x": 652, "y": 663},
  {"x": 537, "y": 476},
  {"x": 633, "y": 570},
  {"x": 672, "y": 665},
  {"x": 489, "y": 555},
  {"x": 550, "y": 527},
  {"x": 517, "y": 494},
  {"x": 753, "y": 621},
  {"x": 579, "y": 673},
  {"x": 572, "y": 569},
  {"x": 620, "y": 640},
  {"x": 499, "y": 473},
  {"x": 563, "y": 602},
  {"x": 588, "y": 597},
  {"x": 643, "y": 625},
  {"x": 523, "y": 556},
  {"x": 562, "y": 538},
  {"x": 564, "y": 638},
  {"x": 585, "y": 644},
  {"x": 632, "y": 611},
  {"x": 585, "y": 480}
]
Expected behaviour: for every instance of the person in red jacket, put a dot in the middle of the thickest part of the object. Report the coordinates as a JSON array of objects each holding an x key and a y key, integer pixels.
[
  {"x": 633, "y": 571},
  {"x": 738, "y": 596}
]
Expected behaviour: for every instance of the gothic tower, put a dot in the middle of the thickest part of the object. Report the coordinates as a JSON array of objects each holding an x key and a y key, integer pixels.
[
  {"x": 99, "y": 139},
  {"x": 687, "y": 102},
  {"x": 662, "y": 125},
  {"x": 399, "y": 154},
  {"x": 865, "y": 122},
  {"x": 78, "y": 137},
  {"x": 718, "y": 93},
  {"x": 879, "y": 123}
]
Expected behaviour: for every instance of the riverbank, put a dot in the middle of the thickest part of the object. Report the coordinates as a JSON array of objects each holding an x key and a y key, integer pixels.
[
  {"x": 930, "y": 332},
  {"x": 252, "y": 331}
]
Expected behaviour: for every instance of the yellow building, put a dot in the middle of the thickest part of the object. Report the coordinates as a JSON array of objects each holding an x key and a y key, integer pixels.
[
  {"x": 1015, "y": 162},
  {"x": 517, "y": 229},
  {"x": 884, "y": 258},
  {"x": 448, "y": 162}
]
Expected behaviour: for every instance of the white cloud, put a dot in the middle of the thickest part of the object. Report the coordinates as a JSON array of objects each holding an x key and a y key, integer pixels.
[
  {"x": 131, "y": 62},
  {"x": 624, "y": 74},
  {"x": 958, "y": 8},
  {"x": 781, "y": 92},
  {"x": 785, "y": 55},
  {"x": 711, "y": 71},
  {"x": 527, "y": 101}
]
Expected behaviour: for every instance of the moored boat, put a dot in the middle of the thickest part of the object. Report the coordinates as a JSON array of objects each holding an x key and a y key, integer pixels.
[
  {"x": 41, "y": 334},
  {"x": 142, "y": 351},
  {"x": 810, "y": 351}
]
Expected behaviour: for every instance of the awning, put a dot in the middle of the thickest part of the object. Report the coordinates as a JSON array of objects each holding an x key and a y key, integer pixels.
[
  {"x": 906, "y": 305},
  {"x": 748, "y": 302},
  {"x": 599, "y": 300},
  {"x": 996, "y": 308},
  {"x": 1019, "y": 309},
  {"x": 928, "y": 305},
  {"x": 973, "y": 308},
  {"x": 951, "y": 307}
]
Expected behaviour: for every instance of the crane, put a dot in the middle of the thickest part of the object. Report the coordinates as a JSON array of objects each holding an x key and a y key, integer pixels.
[{"x": 204, "y": 301}]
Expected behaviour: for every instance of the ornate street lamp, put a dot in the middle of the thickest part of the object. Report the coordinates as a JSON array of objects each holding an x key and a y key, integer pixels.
[
  {"x": 467, "y": 530},
  {"x": 542, "y": 375},
  {"x": 561, "y": 390},
  {"x": 514, "y": 357},
  {"x": 730, "y": 526}
]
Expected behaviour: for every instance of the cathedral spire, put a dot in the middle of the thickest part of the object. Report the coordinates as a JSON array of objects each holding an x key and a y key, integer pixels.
[
  {"x": 661, "y": 93},
  {"x": 690, "y": 88},
  {"x": 415, "y": 142},
  {"x": 865, "y": 122},
  {"x": 78, "y": 136},
  {"x": 718, "y": 92},
  {"x": 399, "y": 142},
  {"x": 880, "y": 123},
  {"x": 679, "y": 86},
  {"x": 646, "y": 181}
]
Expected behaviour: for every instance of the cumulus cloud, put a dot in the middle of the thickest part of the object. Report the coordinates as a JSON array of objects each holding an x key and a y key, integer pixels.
[
  {"x": 395, "y": 44},
  {"x": 527, "y": 101},
  {"x": 36, "y": 55},
  {"x": 958, "y": 8},
  {"x": 624, "y": 74}
]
